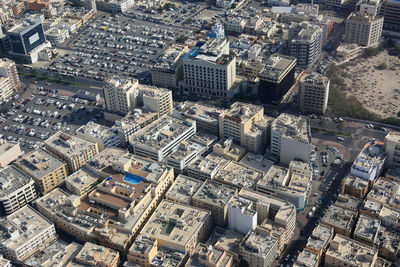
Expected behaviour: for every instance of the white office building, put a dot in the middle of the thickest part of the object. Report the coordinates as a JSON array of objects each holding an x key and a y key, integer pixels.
[
  {"x": 241, "y": 216},
  {"x": 104, "y": 136}
]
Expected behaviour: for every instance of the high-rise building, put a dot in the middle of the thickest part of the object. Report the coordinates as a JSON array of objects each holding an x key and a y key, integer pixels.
[
  {"x": 208, "y": 69},
  {"x": 390, "y": 10},
  {"x": 291, "y": 138},
  {"x": 276, "y": 79},
  {"x": 368, "y": 7},
  {"x": 392, "y": 148},
  {"x": 8, "y": 69},
  {"x": 119, "y": 95},
  {"x": 363, "y": 30},
  {"x": 305, "y": 42},
  {"x": 314, "y": 92}
]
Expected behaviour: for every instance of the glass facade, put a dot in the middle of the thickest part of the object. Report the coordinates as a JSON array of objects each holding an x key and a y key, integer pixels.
[{"x": 27, "y": 40}]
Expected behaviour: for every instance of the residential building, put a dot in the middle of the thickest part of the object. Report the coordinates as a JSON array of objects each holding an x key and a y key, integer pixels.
[
  {"x": 8, "y": 153},
  {"x": 335, "y": 3},
  {"x": 104, "y": 161},
  {"x": 355, "y": 186},
  {"x": 95, "y": 255},
  {"x": 369, "y": 7},
  {"x": 363, "y": 30},
  {"x": 214, "y": 197},
  {"x": 46, "y": 253},
  {"x": 217, "y": 31},
  {"x": 392, "y": 148},
  {"x": 319, "y": 240},
  {"x": 390, "y": 10},
  {"x": 367, "y": 229},
  {"x": 6, "y": 90},
  {"x": 103, "y": 136},
  {"x": 156, "y": 99},
  {"x": 314, "y": 92},
  {"x": 184, "y": 155},
  {"x": 246, "y": 125},
  {"x": 227, "y": 149},
  {"x": 169, "y": 70},
  {"x": 389, "y": 243},
  {"x": 256, "y": 162},
  {"x": 4, "y": 262},
  {"x": 82, "y": 181},
  {"x": 241, "y": 215},
  {"x": 46, "y": 170},
  {"x": 228, "y": 241},
  {"x": 64, "y": 256},
  {"x": 160, "y": 138},
  {"x": 276, "y": 78},
  {"x": 259, "y": 250},
  {"x": 306, "y": 259},
  {"x": 371, "y": 208},
  {"x": 8, "y": 69},
  {"x": 119, "y": 95},
  {"x": 209, "y": 70},
  {"x": 237, "y": 175},
  {"x": 204, "y": 168},
  {"x": 23, "y": 233},
  {"x": 290, "y": 138},
  {"x": 17, "y": 189},
  {"x": 390, "y": 217},
  {"x": 114, "y": 6},
  {"x": 305, "y": 43},
  {"x": 348, "y": 202},
  {"x": 49, "y": 204},
  {"x": 340, "y": 219},
  {"x": 370, "y": 161},
  {"x": 72, "y": 149},
  {"x": 210, "y": 256},
  {"x": 344, "y": 250},
  {"x": 386, "y": 191},
  {"x": 37, "y": 5},
  {"x": 166, "y": 226},
  {"x": 183, "y": 189},
  {"x": 235, "y": 25}
]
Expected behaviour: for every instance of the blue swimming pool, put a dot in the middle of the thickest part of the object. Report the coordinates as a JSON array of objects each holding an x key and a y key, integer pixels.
[{"x": 132, "y": 178}]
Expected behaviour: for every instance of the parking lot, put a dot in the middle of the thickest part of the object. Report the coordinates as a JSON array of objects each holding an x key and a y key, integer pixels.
[
  {"x": 32, "y": 120},
  {"x": 115, "y": 45}
]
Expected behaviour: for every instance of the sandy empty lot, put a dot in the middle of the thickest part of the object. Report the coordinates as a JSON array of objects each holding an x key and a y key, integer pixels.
[{"x": 378, "y": 90}]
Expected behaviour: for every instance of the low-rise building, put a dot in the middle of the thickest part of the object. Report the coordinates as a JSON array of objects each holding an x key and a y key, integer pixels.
[
  {"x": 242, "y": 216},
  {"x": 183, "y": 189},
  {"x": 114, "y": 6},
  {"x": 256, "y": 162},
  {"x": 355, "y": 186},
  {"x": 390, "y": 217},
  {"x": 23, "y": 233},
  {"x": 371, "y": 208},
  {"x": 237, "y": 175},
  {"x": 259, "y": 250},
  {"x": 227, "y": 240},
  {"x": 307, "y": 259},
  {"x": 370, "y": 161},
  {"x": 348, "y": 202},
  {"x": 96, "y": 255},
  {"x": 227, "y": 149},
  {"x": 235, "y": 25},
  {"x": 64, "y": 256},
  {"x": 103, "y": 162},
  {"x": 17, "y": 189},
  {"x": 210, "y": 256},
  {"x": 8, "y": 152},
  {"x": 344, "y": 250},
  {"x": 392, "y": 148},
  {"x": 74, "y": 150},
  {"x": 367, "y": 229},
  {"x": 387, "y": 192},
  {"x": 389, "y": 243},
  {"x": 214, "y": 197},
  {"x": 82, "y": 181},
  {"x": 46, "y": 170},
  {"x": 206, "y": 168},
  {"x": 340, "y": 219},
  {"x": 184, "y": 155},
  {"x": 105, "y": 137},
  {"x": 319, "y": 240}
]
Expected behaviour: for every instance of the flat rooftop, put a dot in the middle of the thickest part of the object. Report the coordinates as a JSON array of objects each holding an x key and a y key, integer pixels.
[
  {"x": 63, "y": 257},
  {"x": 215, "y": 193},
  {"x": 67, "y": 144},
  {"x": 135, "y": 119},
  {"x": 106, "y": 158},
  {"x": 307, "y": 259},
  {"x": 339, "y": 217},
  {"x": 242, "y": 112},
  {"x": 12, "y": 179},
  {"x": 183, "y": 188},
  {"x": 209, "y": 254},
  {"x": 320, "y": 237},
  {"x": 39, "y": 163},
  {"x": 278, "y": 65},
  {"x": 348, "y": 202},
  {"x": 238, "y": 175},
  {"x": 314, "y": 78},
  {"x": 257, "y": 162},
  {"x": 95, "y": 130},
  {"x": 83, "y": 178},
  {"x": 200, "y": 111},
  {"x": 94, "y": 254},
  {"x": 22, "y": 226},
  {"x": 54, "y": 248},
  {"x": 356, "y": 182},
  {"x": 367, "y": 227},
  {"x": 205, "y": 166},
  {"x": 293, "y": 127},
  {"x": 259, "y": 244},
  {"x": 393, "y": 136}
]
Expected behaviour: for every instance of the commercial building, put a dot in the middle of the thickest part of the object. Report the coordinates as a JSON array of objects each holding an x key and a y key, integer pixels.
[
  {"x": 237, "y": 175},
  {"x": 114, "y": 6},
  {"x": 72, "y": 149},
  {"x": 235, "y": 25},
  {"x": 363, "y": 30},
  {"x": 370, "y": 161},
  {"x": 340, "y": 219},
  {"x": 348, "y": 202},
  {"x": 162, "y": 137},
  {"x": 344, "y": 250},
  {"x": 103, "y": 136},
  {"x": 210, "y": 256},
  {"x": 367, "y": 229},
  {"x": 169, "y": 70},
  {"x": 305, "y": 43},
  {"x": 241, "y": 215},
  {"x": 6, "y": 90},
  {"x": 307, "y": 259},
  {"x": 156, "y": 99},
  {"x": 17, "y": 189},
  {"x": 8, "y": 153},
  {"x": 227, "y": 149},
  {"x": 276, "y": 78},
  {"x": 371, "y": 208},
  {"x": 64, "y": 256},
  {"x": 103, "y": 162},
  {"x": 319, "y": 240},
  {"x": 392, "y": 148},
  {"x": 46, "y": 170},
  {"x": 208, "y": 69},
  {"x": 177, "y": 226},
  {"x": 387, "y": 192},
  {"x": 204, "y": 168},
  {"x": 355, "y": 186},
  {"x": 183, "y": 190},
  {"x": 214, "y": 197},
  {"x": 8, "y": 69},
  {"x": 291, "y": 138},
  {"x": 259, "y": 250},
  {"x": 228, "y": 241},
  {"x": 390, "y": 10},
  {"x": 82, "y": 181},
  {"x": 119, "y": 95},
  {"x": 95, "y": 255},
  {"x": 314, "y": 92},
  {"x": 23, "y": 233},
  {"x": 246, "y": 125}
]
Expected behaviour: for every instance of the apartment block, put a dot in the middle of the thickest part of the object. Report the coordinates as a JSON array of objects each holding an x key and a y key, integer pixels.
[
  {"x": 210, "y": 256},
  {"x": 344, "y": 250},
  {"x": 389, "y": 243},
  {"x": 290, "y": 138},
  {"x": 95, "y": 255},
  {"x": 371, "y": 208},
  {"x": 185, "y": 154},
  {"x": 183, "y": 189},
  {"x": 17, "y": 189},
  {"x": 276, "y": 78},
  {"x": 387, "y": 192},
  {"x": 6, "y": 89},
  {"x": 238, "y": 176},
  {"x": 390, "y": 217},
  {"x": 370, "y": 161},
  {"x": 103, "y": 136},
  {"x": 314, "y": 92},
  {"x": 208, "y": 69},
  {"x": 235, "y": 25},
  {"x": 340, "y": 219},
  {"x": 355, "y": 186},
  {"x": 227, "y": 149},
  {"x": 46, "y": 170},
  {"x": 363, "y": 30},
  {"x": 214, "y": 197},
  {"x": 367, "y": 229},
  {"x": 162, "y": 137},
  {"x": 82, "y": 181},
  {"x": 204, "y": 168},
  {"x": 245, "y": 124},
  {"x": 348, "y": 202},
  {"x": 228, "y": 241},
  {"x": 392, "y": 148},
  {"x": 242, "y": 216},
  {"x": 319, "y": 240},
  {"x": 177, "y": 226},
  {"x": 114, "y": 6},
  {"x": 307, "y": 259},
  {"x": 259, "y": 250},
  {"x": 8, "y": 153},
  {"x": 74, "y": 150},
  {"x": 119, "y": 95},
  {"x": 64, "y": 256},
  {"x": 8, "y": 69},
  {"x": 104, "y": 161},
  {"x": 23, "y": 233}
]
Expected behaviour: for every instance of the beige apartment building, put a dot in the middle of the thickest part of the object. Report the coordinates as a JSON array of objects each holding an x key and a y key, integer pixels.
[
  {"x": 119, "y": 95},
  {"x": 314, "y": 92},
  {"x": 363, "y": 30},
  {"x": 340, "y": 219},
  {"x": 8, "y": 153},
  {"x": 46, "y": 170},
  {"x": 319, "y": 240},
  {"x": 259, "y": 250},
  {"x": 9, "y": 69},
  {"x": 95, "y": 255},
  {"x": 392, "y": 148},
  {"x": 74, "y": 150},
  {"x": 6, "y": 89}
]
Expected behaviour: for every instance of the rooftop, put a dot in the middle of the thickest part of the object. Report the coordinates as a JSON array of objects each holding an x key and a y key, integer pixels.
[
  {"x": 356, "y": 182},
  {"x": 95, "y": 130},
  {"x": 242, "y": 112},
  {"x": 257, "y": 162},
  {"x": 339, "y": 217},
  {"x": 83, "y": 178},
  {"x": 215, "y": 193},
  {"x": 211, "y": 255},
  {"x": 12, "y": 179},
  {"x": 367, "y": 228},
  {"x": 277, "y": 66},
  {"x": 70, "y": 145},
  {"x": 106, "y": 158},
  {"x": 314, "y": 78},
  {"x": 200, "y": 111},
  {"x": 348, "y": 202},
  {"x": 227, "y": 240},
  {"x": 259, "y": 244},
  {"x": 183, "y": 188},
  {"x": 135, "y": 119},
  {"x": 372, "y": 154},
  {"x": 307, "y": 259},
  {"x": 170, "y": 57},
  {"x": 63, "y": 257},
  {"x": 238, "y": 175},
  {"x": 123, "y": 85},
  {"x": 393, "y": 136},
  {"x": 320, "y": 237},
  {"x": 293, "y": 127},
  {"x": 56, "y": 247},
  {"x": 95, "y": 254}
]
